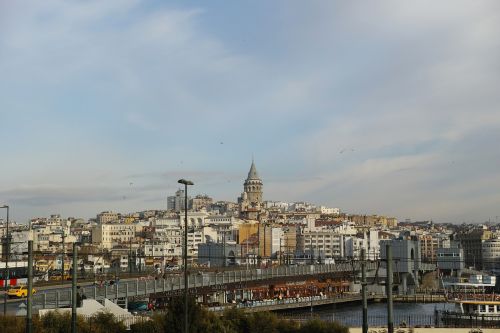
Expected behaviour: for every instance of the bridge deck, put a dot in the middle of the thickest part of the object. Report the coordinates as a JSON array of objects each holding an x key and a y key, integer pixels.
[{"x": 145, "y": 287}]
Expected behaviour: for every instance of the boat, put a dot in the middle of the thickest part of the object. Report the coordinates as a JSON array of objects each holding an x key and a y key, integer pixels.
[{"x": 476, "y": 304}]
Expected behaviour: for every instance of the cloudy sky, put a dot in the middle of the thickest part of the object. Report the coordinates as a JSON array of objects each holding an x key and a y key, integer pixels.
[{"x": 380, "y": 107}]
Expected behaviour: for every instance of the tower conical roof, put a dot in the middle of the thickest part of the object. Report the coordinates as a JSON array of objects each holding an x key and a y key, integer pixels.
[{"x": 252, "y": 174}]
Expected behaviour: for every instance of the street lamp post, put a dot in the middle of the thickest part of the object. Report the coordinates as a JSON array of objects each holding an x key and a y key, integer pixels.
[
  {"x": 7, "y": 249},
  {"x": 63, "y": 255},
  {"x": 185, "y": 183}
]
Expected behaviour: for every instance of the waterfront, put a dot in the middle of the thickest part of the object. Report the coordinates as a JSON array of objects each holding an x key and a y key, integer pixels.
[{"x": 414, "y": 314}]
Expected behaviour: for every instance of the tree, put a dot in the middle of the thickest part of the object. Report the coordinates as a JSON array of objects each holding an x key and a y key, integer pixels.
[
  {"x": 318, "y": 326},
  {"x": 200, "y": 320}
]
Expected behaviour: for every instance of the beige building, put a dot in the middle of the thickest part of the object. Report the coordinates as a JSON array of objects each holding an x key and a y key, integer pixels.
[
  {"x": 106, "y": 217},
  {"x": 201, "y": 201},
  {"x": 373, "y": 220},
  {"x": 429, "y": 243},
  {"x": 112, "y": 234},
  {"x": 246, "y": 230}
]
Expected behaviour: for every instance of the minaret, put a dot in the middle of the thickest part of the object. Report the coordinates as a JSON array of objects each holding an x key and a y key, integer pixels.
[{"x": 253, "y": 187}]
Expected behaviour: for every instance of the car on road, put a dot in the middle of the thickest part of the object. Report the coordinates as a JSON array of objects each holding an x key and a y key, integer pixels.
[
  {"x": 172, "y": 268},
  {"x": 19, "y": 292}
]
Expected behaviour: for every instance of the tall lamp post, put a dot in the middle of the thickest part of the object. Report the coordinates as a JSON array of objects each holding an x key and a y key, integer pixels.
[
  {"x": 63, "y": 254},
  {"x": 7, "y": 250},
  {"x": 186, "y": 183}
]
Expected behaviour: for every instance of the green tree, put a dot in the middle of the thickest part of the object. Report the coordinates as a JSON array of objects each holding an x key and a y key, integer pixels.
[
  {"x": 200, "y": 320},
  {"x": 104, "y": 322},
  {"x": 154, "y": 325},
  {"x": 12, "y": 324},
  {"x": 55, "y": 322}
]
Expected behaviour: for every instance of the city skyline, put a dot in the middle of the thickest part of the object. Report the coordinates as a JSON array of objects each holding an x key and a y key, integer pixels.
[{"x": 381, "y": 108}]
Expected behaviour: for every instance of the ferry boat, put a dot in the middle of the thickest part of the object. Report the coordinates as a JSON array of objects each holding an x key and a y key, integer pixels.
[{"x": 475, "y": 302}]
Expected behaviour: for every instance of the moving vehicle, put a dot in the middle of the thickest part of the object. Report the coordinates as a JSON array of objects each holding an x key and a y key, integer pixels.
[{"x": 19, "y": 292}]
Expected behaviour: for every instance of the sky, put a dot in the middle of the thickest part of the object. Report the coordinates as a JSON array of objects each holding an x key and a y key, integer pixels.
[{"x": 384, "y": 107}]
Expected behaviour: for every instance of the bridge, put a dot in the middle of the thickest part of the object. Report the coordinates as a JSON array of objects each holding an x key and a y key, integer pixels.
[{"x": 197, "y": 283}]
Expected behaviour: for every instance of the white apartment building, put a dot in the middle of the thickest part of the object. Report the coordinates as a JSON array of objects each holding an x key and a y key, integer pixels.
[
  {"x": 165, "y": 223},
  {"x": 353, "y": 246},
  {"x": 302, "y": 206},
  {"x": 369, "y": 242},
  {"x": 277, "y": 234},
  {"x": 48, "y": 234},
  {"x": 195, "y": 220},
  {"x": 110, "y": 234},
  {"x": 222, "y": 219},
  {"x": 172, "y": 235},
  {"x": 162, "y": 249},
  {"x": 373, "y": 246},
  {"x": 321, "y": 241},
  {"x": 172, "y": 238},
  {"x": 346, "y": 228},
  {"x": 280, "y": 205}
]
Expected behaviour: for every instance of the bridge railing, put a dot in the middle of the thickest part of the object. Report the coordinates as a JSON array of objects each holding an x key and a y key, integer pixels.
[{"x": 145, "y": 286}]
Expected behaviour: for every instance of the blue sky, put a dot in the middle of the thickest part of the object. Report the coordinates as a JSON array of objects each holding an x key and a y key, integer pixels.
[{"x": 379, "y": 108}]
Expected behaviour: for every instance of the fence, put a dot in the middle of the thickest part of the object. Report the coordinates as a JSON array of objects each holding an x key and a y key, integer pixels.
[
  {"x": 438, "y": 319},
  {"x": 455, "y": 319},
  {"x": 404, "y": 320},
  {"x": 127, "y": 320}
]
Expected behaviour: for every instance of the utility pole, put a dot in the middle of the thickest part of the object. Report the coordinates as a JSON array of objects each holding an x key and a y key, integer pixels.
[
  {"x": 186, "y": 323},
  {"x": 388, "y": 286},
  {"x": 280, "y": 253},
  {"x": 7, "y": 254},
  {"x": 363, "y": 292},
  {"x": 264, "y": 255},
  {"x": 312, "y": 309},
  {"x": 29, "y": 315},
  {"x": 63, "y": 255},
  {"x": 73, "y": 288},
  {"x": 130, "y": 256},
  {"x": 224, "y": 248},
  {"x": 247, "y": 252},
  {"x": 312, "y": 253},
  {"x": 185, "y": 183}
]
